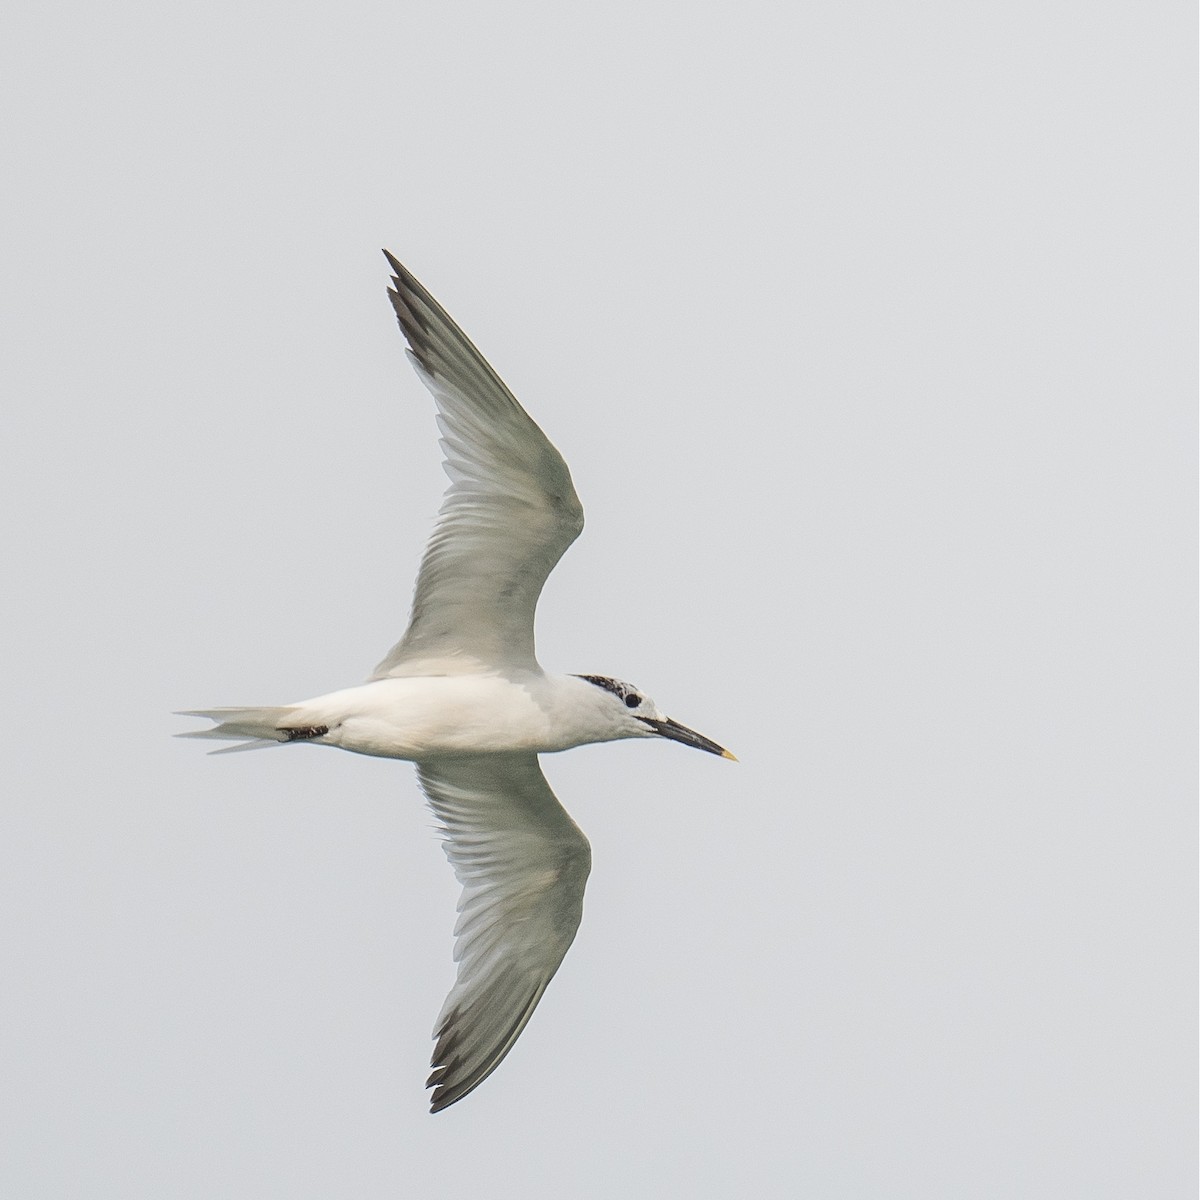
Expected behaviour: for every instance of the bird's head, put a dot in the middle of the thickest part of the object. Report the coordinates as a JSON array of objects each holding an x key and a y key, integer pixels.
[{"x": 633, "y": 714}]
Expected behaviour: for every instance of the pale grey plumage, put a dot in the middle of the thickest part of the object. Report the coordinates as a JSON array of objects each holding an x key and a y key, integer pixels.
[
  {"x": 507, "y": 518},
  {"x": 523, "y": 864}
]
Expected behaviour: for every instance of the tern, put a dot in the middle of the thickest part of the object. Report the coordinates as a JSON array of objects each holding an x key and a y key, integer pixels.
[{"x": 462, "y": 696}]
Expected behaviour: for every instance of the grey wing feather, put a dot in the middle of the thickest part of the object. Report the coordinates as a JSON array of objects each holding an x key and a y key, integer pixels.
[
  {"x": 509, "y": 515},
  {"x": 523, "y": 865}
]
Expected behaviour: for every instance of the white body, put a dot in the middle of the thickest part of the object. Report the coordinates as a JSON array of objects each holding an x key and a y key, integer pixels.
[{"x": 426, "y": 717}]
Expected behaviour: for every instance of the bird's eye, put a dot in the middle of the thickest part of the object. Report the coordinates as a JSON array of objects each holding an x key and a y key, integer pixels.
[{"x": 632, "y": 701}]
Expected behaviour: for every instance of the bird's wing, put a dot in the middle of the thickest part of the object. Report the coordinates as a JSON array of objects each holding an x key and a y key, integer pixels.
[
  {"x": 523, "y": 864},
  {"x": 508, "y": 516}
]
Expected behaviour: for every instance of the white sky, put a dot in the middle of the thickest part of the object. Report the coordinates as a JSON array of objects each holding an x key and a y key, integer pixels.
[{"x": 868, "y": 333}]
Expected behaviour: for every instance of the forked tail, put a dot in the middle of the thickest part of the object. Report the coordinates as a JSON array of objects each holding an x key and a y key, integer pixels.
[{"x": 252, "y": 728}]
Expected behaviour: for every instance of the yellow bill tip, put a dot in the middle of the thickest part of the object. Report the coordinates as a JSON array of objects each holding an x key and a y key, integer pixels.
[{"x": 731, "y": 757}]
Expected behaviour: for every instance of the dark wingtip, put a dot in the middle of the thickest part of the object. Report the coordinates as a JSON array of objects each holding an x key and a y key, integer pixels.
[{"x": 443, "y": 1096}]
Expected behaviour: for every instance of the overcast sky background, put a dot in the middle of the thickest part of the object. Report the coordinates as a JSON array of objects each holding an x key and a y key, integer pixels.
[{"x": 868, "y": 332}]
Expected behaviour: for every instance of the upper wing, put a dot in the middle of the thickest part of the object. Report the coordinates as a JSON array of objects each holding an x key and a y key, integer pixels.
[
  {"x": 523, "y": 864},
  {"x": 508, "y": 516}
]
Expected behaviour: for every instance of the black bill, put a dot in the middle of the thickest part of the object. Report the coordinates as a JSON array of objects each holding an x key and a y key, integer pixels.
[{"x": 689, "y": 737}]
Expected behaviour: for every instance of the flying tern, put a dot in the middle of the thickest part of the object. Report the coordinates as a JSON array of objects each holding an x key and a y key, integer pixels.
[{"x": 462, "y": 695}]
